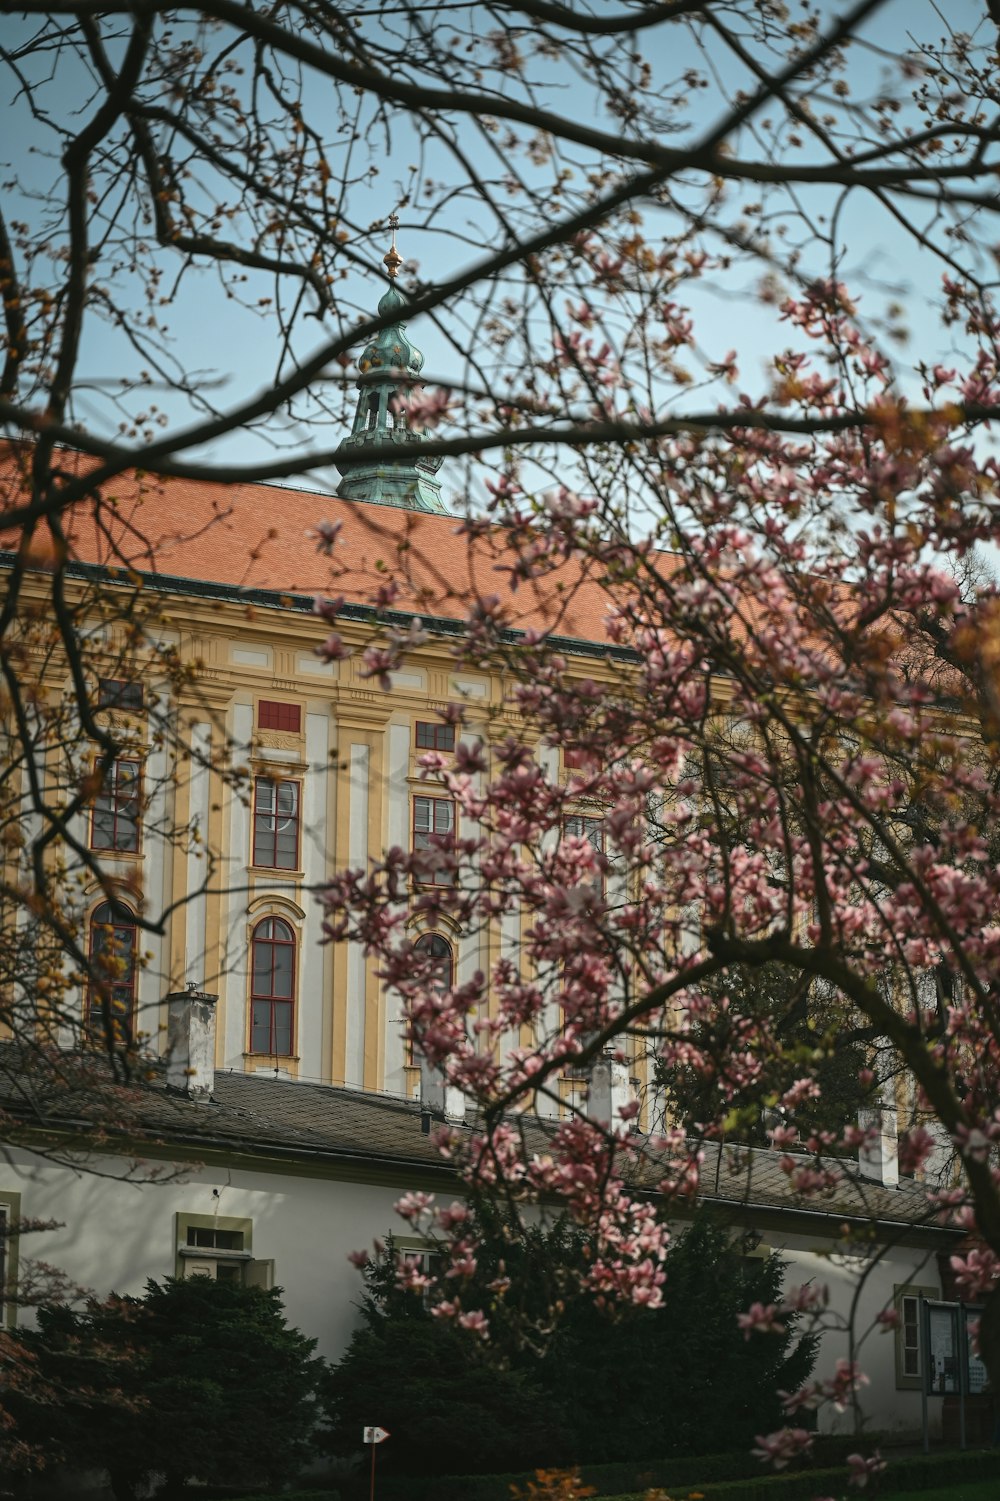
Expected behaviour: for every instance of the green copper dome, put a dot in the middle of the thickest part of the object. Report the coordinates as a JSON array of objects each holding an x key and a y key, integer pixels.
[
  {"x": 389, "y": 367},
  {"x": 391, "y": 349}
]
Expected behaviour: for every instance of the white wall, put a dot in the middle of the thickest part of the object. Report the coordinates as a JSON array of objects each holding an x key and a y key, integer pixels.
[
  {"x": 115, "y": 1234},
  {"x": 860, "y": 1286}
]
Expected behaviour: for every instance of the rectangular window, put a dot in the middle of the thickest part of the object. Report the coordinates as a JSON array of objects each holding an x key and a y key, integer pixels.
[
  {"x": 219, "y": 1247},
  {"x": 10, "y": 1213},
  {"x": 115, "y": 822},
  {"x": 439, "y": 737},
  {"x": 271, "y": 1028},
  {"x": 272, "y": 715},
  {"x": 582, "y": 826},
  {"x": 576, "y": 758},
  {"x": 276, "y": 824},
  {"x": 433, "y": 828},
  {"x": 909, "y": 1355},
  {"x": 215, "y": 1239},
  {"x": 579, "y": 826},
  {"x": 119, "y": 693}
]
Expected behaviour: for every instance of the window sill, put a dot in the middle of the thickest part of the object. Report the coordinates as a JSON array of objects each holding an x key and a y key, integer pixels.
[
  {"x": 129, "y": 855},
  {"x": 276, "y": 873}
]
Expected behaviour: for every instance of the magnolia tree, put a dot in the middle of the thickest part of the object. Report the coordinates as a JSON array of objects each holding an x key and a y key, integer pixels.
[
  {"x": 846, "y": 836},
  {"x": 792, "y": 751}
]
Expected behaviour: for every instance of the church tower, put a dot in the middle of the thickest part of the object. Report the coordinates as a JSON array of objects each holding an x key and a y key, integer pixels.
[{"x": 389, "y": 366}]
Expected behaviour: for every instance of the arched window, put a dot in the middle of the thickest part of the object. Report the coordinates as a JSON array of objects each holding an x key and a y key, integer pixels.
[
  {"x": 113, "y": 934},
  {"x": 438, "y": 949},
  {"x": 272, "y": 987}
]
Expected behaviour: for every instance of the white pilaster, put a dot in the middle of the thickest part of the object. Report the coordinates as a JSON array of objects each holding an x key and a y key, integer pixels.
[
  {"x": 195, "y": 959},
  {"x": 398, "y": 833},
  {"x": 313, "y": 959},
  {"x": 357, "y": 836},
  {"x": 233, "y": 979}
]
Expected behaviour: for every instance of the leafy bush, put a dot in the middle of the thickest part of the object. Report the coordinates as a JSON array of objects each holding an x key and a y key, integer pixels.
[
  {"x": 674, "y": 1370},
  {"x": 199, "y": 1378},
  {"x": 541, "y": 1396},
  {"x": 446, "y": 1406}
]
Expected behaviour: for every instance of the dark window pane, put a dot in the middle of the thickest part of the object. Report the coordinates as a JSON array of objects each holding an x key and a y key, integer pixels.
[
  {"x": 260, "y": 1041},
  {"x": 104, "y": 826},
  {"x": 127, "y": 829},
  {"x": 282, "y": 984},
  {"x": 261, "y": 968},
  {"x": 276, "y": 824},
  {"x": 117, "y": 693},
  {"x": 282, "y": 1028},
  {"x": 286, "y": 852},
  {"x": 439, "y": 737}
]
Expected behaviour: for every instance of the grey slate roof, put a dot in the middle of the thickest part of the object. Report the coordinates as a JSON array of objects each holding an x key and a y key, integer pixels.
[
  {"x": 257, "y": 1116},
  {"x": 257, "y": 1113}
]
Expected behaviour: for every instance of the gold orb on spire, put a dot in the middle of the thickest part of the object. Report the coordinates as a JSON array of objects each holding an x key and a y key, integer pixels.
[{"x": 392, "y": 260}]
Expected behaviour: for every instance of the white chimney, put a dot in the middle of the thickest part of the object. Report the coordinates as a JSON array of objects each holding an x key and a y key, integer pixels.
[
  {"x": 879, "y": 1158},
  {"x": 191, "y": 1043},
  {"x": 438, "y": 1096},
  {"x": 608, "y": 1091}
]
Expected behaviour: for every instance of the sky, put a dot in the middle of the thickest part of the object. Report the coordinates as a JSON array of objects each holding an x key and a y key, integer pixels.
[{"x": 234, "y": 350}]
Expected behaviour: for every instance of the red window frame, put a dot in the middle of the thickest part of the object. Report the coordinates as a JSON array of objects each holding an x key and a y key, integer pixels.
[
  {"x": 114, "y": 936},
  {"x": 579, "y": 758},
  {"x": 272, "y": 998},
  {"x": 114, "y": 817},
  {"x": 434, "y": 736},
  {"x": 269, "y": 851},
  {"x": 272, "y": 714},
  {"x": 421, "y": 838}
]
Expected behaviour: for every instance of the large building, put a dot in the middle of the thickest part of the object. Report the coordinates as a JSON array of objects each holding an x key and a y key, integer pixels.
[{"x": 279, "y": 768}]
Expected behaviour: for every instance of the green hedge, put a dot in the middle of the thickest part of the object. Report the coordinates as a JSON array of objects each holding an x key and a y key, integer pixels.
[
  {"x": 619, "y": 1479},
  {"x": 905, "y": 1472}
]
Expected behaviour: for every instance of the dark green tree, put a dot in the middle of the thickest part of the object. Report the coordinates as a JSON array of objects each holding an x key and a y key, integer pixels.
[
  {"x": 197, "y": 1379},
  {"x": 562, "y": 1380},
  {"x": 795, "y": 1033},
  {"x": 452, "y": 1405},
  {"x": 653, "y": 1383}
]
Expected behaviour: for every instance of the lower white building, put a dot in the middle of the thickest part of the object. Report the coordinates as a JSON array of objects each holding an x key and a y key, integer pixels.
[{"x": 276, "y": 1182}]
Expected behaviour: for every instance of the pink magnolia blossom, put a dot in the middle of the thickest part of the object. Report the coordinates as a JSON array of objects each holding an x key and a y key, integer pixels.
[
  {"x": 863, "y": 1469},
  {"x": 779, "y": 1448},
  {"x": 476, "y": 1322},
  {"x": 760, "y": 1318}
]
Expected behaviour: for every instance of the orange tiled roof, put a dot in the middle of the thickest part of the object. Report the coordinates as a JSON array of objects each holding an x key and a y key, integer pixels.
[{"x": 258, "y": 537}]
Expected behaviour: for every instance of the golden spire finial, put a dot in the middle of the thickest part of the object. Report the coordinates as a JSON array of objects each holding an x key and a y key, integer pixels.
[{"x": 392, "y": 260}]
